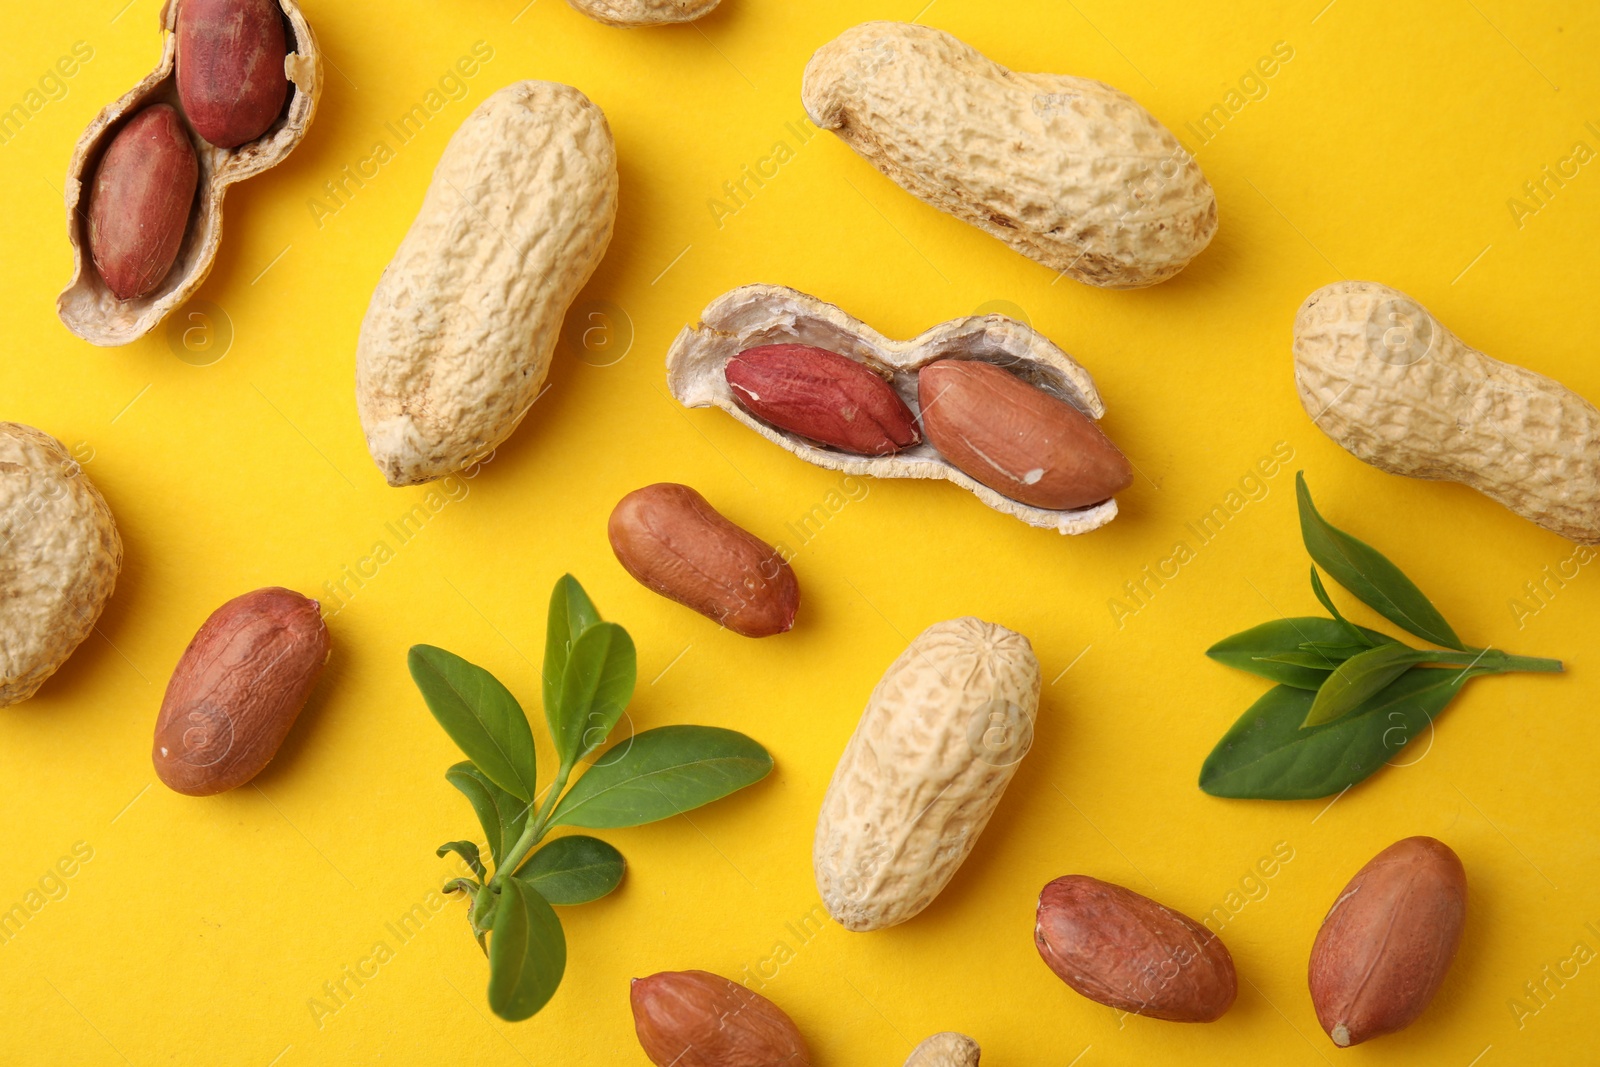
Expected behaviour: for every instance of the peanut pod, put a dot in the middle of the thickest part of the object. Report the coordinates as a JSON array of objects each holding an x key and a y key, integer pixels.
[
  {"x": 457, "y": 340},
  {"x": 88, "y": 306},
  {"x": 1384, "y": 378},
  {"x": 945, "y": 1050},
  {"x": 939, "y": 741},
  {"x": 757, "y": 315},
  {"x": 631, "y": 13},
  {"x": 61, "y": 556},
  {"x": 1068, "y": 171}
]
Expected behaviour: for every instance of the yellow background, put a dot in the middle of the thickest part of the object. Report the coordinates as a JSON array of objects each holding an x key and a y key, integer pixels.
[{"x": 1387, "y": 148}]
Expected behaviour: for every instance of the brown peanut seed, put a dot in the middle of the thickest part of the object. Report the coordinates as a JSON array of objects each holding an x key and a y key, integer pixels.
[
  {"x": 698, "y": 1019},
  {"x": 823, "y": 396},
  {"x": 231, "y": 80},
  {"x": 139, "y": 205},
  {"x": 237, "y": 690},
  {"x": 672, "y": 541},
  {"x": 1126, "y": 951},
  {"x": 1388, "y": 941},
  {"x": 1017, "y": 439}
]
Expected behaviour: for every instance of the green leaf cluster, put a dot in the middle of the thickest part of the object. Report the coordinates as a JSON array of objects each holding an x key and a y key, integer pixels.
[
  {"x": 1348, "y": 698},
  {"x": 590, "y": 669}
]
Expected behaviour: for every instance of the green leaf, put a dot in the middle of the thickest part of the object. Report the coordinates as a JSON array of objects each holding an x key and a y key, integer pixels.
[
  {"x": 1267, "y": 756},
  {"x": 573, "y": 870},
  {"x": 1360, "y": 678},
  {"x": 1257, "y": 649},
  {"x": 461, "y": 885},
  {"x": 571, "y": 613},
  {"x": 527, "y": 953},
  {"x": 660, "y": 773},
  {"x": 1349, "y": 627},
  {"x": 596, "y": 687},
  {"x": 480, "y": 715},
  {"x": 502, "y": 816},
  {"x": 467, "y": 851},
  {"x": 1368, "y": 574}
]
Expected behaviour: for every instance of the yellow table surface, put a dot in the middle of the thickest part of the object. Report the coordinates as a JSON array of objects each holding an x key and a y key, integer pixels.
[{"x": 224, "y": 930}]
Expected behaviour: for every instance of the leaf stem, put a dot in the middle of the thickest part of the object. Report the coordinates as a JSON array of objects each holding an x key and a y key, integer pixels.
[
  {"x": 533, "y": 834},
  {"x": 1494, "y": 661}
]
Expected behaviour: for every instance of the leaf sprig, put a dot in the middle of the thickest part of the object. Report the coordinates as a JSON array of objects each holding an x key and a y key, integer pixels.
[
  {"x": 590, "y": 668},
  {"x": 1348, "y": 698}
]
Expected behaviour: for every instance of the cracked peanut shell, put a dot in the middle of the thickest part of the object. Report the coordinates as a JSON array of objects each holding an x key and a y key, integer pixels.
[
  {"x": 1384, "y": 378},
  {"x": 60, "y": 561},
  {"x": 939, "y": 741},
  {"x": 756, "y": 315},
  {"x": 457, "y": 340},
  {"x": 1068, "y": 171},
  {"x": 87, "y": 305}
]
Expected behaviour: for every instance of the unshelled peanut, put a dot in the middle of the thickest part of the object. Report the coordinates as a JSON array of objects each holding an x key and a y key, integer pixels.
[
  {"x": 1389, "y": 383},
  {"x": 59, "y": 558},
  {"x": 945, "y": 1050},
  {"x": 1068, "y": 171},
  {"x": 939, "y": 741}
]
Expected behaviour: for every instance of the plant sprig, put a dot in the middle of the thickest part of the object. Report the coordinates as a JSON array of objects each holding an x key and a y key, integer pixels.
[
  {"x": 590, "y": 668},
  {"x": 1348, "y": 698}
]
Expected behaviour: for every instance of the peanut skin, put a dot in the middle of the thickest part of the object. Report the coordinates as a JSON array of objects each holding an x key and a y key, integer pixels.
[
  {"x": 698, "y": 1019},
  {"x": 231, "y": 80},
  {"x": 672, "y": 541},
  {"x": 139, "y": 206},
  {"x": 1388, "y": 941},
  {"x": 1017, "y": 439},
  {"x": 823, "y": 396},
  {"x": 237, "y": 690},
  {"x": 1128, "y": 952}
]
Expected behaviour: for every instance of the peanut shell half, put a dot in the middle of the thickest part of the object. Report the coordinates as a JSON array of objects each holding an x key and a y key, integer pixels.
[
  {"x": 755, "y": 315},
  {"x": 87, "y": 306}
]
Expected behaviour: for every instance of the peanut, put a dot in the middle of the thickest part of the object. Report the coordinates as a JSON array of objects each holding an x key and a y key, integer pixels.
[
  {"x": 629, "y": 13},
  {"x": 1068, "y": 171},
  {"x": 231, "y": 80},
  {"x": 1016, "y": 439},
  {"x": 1128, "y": 952},
  {"x": 1388, "y": 940},
  {"x": 674, "y": 542},
  {"x": 823, "y": 397},
  {"x": 697, "y": 1019},
  {"x": 938, "y": 743},
  {"x": 755, "y": 316},
  {"x": 61, "y": 557},
  {"x": 457, "y": 341},
  {"x": 231, "y": 72},
  {"x": 1384, "y": 378},
  {"x": 139, "y": 209},
  {"x": 945, "y": 1050},
  {"x": 237, "y": 690}
]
